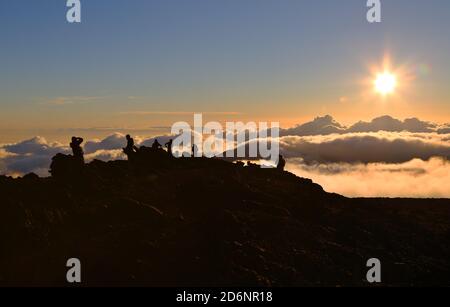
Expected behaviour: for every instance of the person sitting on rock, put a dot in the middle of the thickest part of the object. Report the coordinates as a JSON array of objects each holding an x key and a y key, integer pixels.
[
  {"x": 169, "y": 147},
  {"x": 156, "y": 146},
  {"x": 131, "y": 148},
  {"x": 281, "y": 163},
  {"x": 76, "y": 148}
]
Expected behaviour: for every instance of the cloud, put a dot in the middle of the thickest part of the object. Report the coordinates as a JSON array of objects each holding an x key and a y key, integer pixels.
[
  {"x": 387, "y": 123},
  {"x": 176, "y": 113},
  {"x": 3, "y": 155},
  {"x": 388, "y": 147},
  {"x": 117, "y": 141},
  {"x": 67, "y": 100},
  {"x": 319, "y": 126},
  {"x": 415, "y": 178},
  {"x": 36, "y": 146},
  {"x": 444, "y": 130},
  {"x": 112, "y": 142},
  {"x": 106, "y": 155},
  {"x": 135, "y": 97},
  {"x": 327, "y": 125},
  {"x": 372, "y": 147},
  {"x": 33, "y": 155},
  {"x": 412, "y": 162},
  {"x": 25, "y": 164}
]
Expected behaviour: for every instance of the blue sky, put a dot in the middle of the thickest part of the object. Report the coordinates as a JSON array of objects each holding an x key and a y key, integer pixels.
[{"x": 284, "y": 60}]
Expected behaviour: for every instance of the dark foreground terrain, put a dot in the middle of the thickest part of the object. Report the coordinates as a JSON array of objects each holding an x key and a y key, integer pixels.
[{"x": 200, "y": 222}]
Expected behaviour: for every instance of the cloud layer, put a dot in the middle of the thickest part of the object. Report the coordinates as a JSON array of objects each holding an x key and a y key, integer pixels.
[
  {"x": 34, "y": 155},
  {"x": 384, "y": 157},
  {"x": 416, "y": 178},
  {"x": 387, "y": 147},
  {"x": 327, "y": 125}
]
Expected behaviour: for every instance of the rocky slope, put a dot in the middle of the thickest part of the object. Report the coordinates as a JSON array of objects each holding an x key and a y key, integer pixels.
[{"x": 204, "y": 222}]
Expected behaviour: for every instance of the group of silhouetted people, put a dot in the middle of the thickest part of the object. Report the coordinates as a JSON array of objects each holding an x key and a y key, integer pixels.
[{"x": 131, "y": 149}]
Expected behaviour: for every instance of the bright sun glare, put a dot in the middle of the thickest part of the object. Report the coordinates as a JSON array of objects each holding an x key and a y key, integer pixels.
[{"x": 385, "y": 83}]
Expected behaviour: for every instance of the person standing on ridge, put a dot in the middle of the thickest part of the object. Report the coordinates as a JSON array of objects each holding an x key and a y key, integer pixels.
[
  {"x": 131, "y": 148},
  {"x": 76, "y": 148},
  {"x": 194, "y": 151},
  {"x": 281, "y": 163},
  {"x": 169, "y": 147},
  {"x": 156, "y": 145}
]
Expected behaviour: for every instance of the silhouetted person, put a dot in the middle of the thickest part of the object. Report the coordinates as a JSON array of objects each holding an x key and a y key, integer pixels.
[
  {"x": 281, "y": 163},
  {"x": 169, "y": 148},
  {"x": 194, "y": 150},
  {"x": 76, "y": 148},
  {"x": 156, "y": 145},
  {"x": 240, "y": 163},
  {"x": 131, "y": 148}
]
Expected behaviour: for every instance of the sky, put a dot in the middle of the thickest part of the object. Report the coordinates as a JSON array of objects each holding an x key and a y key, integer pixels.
[{"x": 144, "y": 64}]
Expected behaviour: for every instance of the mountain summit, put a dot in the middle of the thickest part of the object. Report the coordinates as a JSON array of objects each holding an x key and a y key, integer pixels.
[{"x": 207, "y": 222}]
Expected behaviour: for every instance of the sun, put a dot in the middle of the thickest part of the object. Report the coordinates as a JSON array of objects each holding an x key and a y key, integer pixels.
[
  {"x": 389, "y": 81},
  {"x": 385, "y": 83}
]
